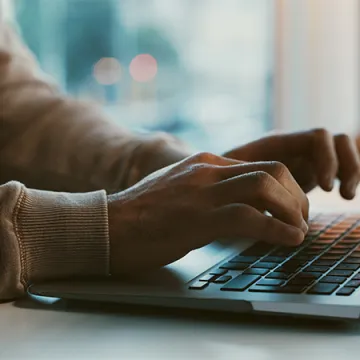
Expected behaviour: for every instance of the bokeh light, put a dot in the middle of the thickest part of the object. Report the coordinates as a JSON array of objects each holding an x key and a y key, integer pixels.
[
  {"x": 107, "y": 71},
  {"x": 143, "y": 68}
]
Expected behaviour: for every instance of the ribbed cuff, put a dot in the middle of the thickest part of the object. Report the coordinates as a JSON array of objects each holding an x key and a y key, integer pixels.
[{"x": 62, "y": 235}]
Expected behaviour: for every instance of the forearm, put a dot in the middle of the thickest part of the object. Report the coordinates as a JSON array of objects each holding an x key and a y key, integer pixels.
[
  {"x": 48, "y": 236},
  {"x": 50, "y": 141}
]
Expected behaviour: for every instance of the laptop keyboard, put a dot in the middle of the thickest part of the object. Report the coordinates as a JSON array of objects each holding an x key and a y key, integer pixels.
[{"x": 326, "y": 263}]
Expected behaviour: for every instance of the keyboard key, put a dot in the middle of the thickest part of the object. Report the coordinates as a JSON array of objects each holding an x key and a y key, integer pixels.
[
  {"x": 320, "y": 269},
  {"x": 330, "y": 257},
  {"x": 218, "y": 272},
  {"x": 294, "y": 263},
  {"x": 353, "y": 283},
  {"x": 337, "y": 252},
  {"x": 345, "y": 291},
  {"x": 312, "y": 252},
  {"x": 343, "y": 226},
  {"x": 352, "y": 236},
  {"x": 274, "y": 259},
  {"x": 325, "y": 242},
  {"x": 352, "y": 260},
  {"x": 347, "y": 267},
  {"x": 270, "y": 282},
  {"x": 222, "y": 279},
  {"x": 327, "y": 237},
  {"x": 245, "y": 259},
  {"x": 349, "y": 241},
  {"x": 309, "y": 275},
  {"x": 258, "y": 249},
  {"x": 301, "y": 257},
  {"x": 333, "y": 279},
  {"x": 286, "y": 271},
  {"x": 284, "y": 252},
  {"x": 291, "y": 266},
  {"x": 277, "y": 275},
  {"x": 317, "y": 247},
  {"x": 265, "y": 265},
  {"x": 335, "y": 232},
  {"x": 198, "y": 285},
  {"x": 327, "y": 263},
  {"x": 296, "y": 281},
  {"x": 253, "y": 271},
  {"x": 341, "y": 246},
  {"x": 293, "y": 289},
  {"x": 323, "y": 289},
  {"x": 240, "y": 283},
  {"x": 257, "y": 288},
  {"x": 344, "y": 273},
  {"x": 304, "y": 258},
  {"x": 234, "y": 266},
  {"x": 207, "y": 277}
]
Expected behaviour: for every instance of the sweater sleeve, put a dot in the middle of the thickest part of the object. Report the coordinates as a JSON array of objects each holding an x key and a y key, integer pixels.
[
  {"x": 50, "y": 235},
  {"x": 53, "y": 142}
]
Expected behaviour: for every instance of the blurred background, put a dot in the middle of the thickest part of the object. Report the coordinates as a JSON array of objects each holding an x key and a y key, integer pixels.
[{"x": 215, "y": 73}]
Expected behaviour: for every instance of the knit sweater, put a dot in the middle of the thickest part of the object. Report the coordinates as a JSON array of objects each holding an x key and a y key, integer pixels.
[{"x": 74, "y": 155}]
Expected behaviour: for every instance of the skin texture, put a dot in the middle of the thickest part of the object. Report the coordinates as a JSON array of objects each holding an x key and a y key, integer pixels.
[
  {"x": 189, "y": 204},
  {"x": 315, "y": 158}
]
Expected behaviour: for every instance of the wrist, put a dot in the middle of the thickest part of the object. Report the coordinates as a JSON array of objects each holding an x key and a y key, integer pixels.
[{"x": 156, "y": 152}]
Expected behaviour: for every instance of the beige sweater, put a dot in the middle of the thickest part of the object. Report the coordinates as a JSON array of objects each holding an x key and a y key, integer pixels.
[{"x": 51, "y": 142}]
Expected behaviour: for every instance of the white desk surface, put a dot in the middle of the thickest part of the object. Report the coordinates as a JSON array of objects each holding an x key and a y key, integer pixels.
[{"x": 29, "y": 330}]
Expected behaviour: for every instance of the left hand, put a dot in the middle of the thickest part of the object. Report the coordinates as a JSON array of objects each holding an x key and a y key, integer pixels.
[{"x": 315, "y": 158}]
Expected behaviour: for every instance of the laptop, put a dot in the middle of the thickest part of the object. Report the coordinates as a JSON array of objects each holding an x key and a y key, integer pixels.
[{"x": 320, "y": 278}]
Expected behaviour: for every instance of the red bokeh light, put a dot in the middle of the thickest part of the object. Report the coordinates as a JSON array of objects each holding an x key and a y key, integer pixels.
[{"x": 143, "y": 68}]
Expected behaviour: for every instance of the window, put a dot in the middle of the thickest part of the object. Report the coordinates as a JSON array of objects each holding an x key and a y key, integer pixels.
[
  {"x": 200, "y": 69},
  {"x": 317, "y": 64}
]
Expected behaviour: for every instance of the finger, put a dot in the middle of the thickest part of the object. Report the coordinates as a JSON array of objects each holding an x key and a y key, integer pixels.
[
  {"x": 210, "y": 159},
  {"x": 239, "y": 220},
  {"x": 262, "y": 191},
  {"x": 349, "y": 165},
  {"x": 325, "y": 158},
  {"x": 277, "y": 170}
]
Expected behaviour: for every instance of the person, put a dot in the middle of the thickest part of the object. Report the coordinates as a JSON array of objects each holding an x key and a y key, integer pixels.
[{"x": 82, "y": 197}]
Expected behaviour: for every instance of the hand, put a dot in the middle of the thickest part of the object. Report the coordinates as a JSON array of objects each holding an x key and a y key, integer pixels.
[
  {"x": 314, "y": 158},
  {"x": 202, "y": 198}
]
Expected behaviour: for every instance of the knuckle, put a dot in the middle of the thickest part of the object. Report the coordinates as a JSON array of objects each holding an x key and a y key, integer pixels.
[
  {"x": 320, "y": 133},
  {"x": 204, "y": 157},
  {"x": 199, "y": 168},
  {"x": 202, "y": 172},
  {"x": 278, "y": 169},
  {"x": 261, "y": 181}
]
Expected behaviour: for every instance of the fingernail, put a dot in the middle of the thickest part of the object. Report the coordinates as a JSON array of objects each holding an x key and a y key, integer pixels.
[
  {"x": 329, "y": 182},
  {"x": 354, "y": 187},
  {"x": 304, "y": 227}
]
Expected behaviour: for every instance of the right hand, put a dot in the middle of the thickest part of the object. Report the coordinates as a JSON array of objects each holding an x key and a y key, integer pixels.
[{"x": 205, "y": 197}]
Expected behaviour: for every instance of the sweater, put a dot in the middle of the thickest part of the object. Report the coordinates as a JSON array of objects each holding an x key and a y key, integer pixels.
[{"x": 59, "y": 159}]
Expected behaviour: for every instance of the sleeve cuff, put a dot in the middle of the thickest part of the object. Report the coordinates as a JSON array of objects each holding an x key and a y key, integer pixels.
[{"x": 62, "y": 235}]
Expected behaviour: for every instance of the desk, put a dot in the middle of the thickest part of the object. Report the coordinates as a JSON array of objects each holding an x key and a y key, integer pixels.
[{"x": 30, "y": 330}]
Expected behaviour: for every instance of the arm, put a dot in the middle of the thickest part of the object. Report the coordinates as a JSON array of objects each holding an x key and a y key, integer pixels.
[
  {"x": 46, "y": 235},
  {"x": 50, "y": 141}
]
